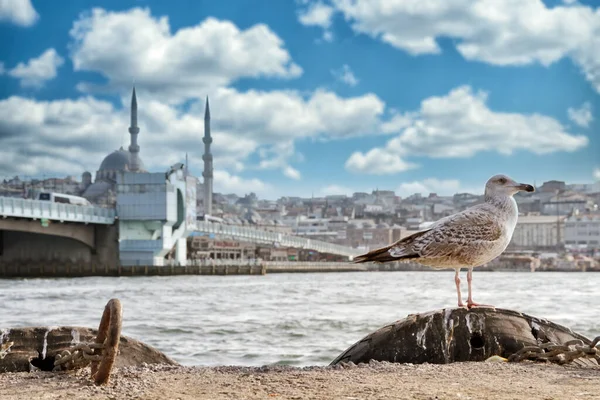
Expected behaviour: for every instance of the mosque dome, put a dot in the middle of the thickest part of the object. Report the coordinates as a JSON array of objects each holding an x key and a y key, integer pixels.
[{"x": 118, "y": 160}]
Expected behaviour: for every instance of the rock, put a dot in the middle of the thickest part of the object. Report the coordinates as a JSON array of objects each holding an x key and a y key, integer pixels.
[
  {"x": 36, "y": 347},
  {"x": 454, "y": 335}
]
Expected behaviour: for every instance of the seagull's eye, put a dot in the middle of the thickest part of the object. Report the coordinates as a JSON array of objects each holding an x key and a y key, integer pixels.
[{"x": 502, "y": 181}]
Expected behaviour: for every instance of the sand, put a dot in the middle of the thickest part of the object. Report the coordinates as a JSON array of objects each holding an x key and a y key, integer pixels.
[{"x": 366, "y": 381}]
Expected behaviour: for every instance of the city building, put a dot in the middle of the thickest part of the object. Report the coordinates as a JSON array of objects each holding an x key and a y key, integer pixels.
[
  {"x": 538, "y": 232},
  {"x": 312, "y": 227},
  {"x": 552, "y": 187},
  {"x": 157, "y": 212},
  {"x": 582, "y": 232},
  {"x": 567, "y": 203},
  {"x": 202, "y": 247},
  {"x": 368, "y": 235}
]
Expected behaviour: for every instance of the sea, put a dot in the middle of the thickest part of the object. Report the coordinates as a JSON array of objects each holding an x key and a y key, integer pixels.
[{"x": 296, "y": 319}]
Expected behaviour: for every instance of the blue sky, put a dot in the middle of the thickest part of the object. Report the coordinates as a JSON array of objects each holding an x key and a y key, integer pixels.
[{"x": 323, "y": 97}]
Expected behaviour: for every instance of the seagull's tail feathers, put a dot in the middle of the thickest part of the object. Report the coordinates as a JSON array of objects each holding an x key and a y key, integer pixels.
[
  {"x": 378, "y": 255},
  {"x": 399, "y": 251},
  {"x": 393, "y": 252}
]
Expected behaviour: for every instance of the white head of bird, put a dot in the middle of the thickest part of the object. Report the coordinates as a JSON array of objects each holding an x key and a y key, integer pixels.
[{"x": 502, "y": 185}]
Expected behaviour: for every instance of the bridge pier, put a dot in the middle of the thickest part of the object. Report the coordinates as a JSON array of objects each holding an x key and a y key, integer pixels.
[
  {"x": 29, "y": 254},
  {"x": 41, "y": 238},
  {"x": 106, "y": 249}
]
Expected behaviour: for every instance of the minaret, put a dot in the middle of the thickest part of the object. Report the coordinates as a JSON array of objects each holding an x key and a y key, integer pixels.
[
  {"x": 186, "y": 171},
  {"x": 208, "y": 159},
  {"x": 134, "y": 149}
]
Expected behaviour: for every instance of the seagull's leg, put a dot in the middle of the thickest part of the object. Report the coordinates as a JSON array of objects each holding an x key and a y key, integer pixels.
[
  {"x": 470, "y": 302},
  {"x": 457, "y": 281}
]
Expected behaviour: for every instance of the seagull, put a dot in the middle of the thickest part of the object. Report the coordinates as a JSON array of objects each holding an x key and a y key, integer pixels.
[{"x": 467, "y": 239}]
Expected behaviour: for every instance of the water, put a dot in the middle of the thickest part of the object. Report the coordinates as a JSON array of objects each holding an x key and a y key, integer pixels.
[{"x": 297, "y": 319}]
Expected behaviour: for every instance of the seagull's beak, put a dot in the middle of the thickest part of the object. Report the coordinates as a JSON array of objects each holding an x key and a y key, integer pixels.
[{"x": 525, "y": 187}]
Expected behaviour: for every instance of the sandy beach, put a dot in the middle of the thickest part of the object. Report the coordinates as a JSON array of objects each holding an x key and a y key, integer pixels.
[{"x": 366, "y": 381}]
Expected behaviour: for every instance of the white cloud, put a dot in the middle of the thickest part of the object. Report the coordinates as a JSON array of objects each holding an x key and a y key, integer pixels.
[
  {"x": 398, "y": 121},
  {"x": 320, "y": 15},
  {"x": 55, "y": 137},
  {"x": 377, "y": 162},
  {"x": 335, "y": 190},
  {"x": 582, "y": 116},
  {"x": 590, "y": 60},
  {"x": 460, "y": 124},
  {"x": 291, "y": 173},
  {"x": 276, "y": 119},
  {"x": 78, "y": 134},
  {"x": 510, "y": 32},
  {"x": 224, "y": 182},
  {"x": 267, "y": 124},
  {"x": 280, "y": 115},
  {"x": 277, "y": 157},
  {"x": 597, "y": 174},
  {"x": 317, "y": 14},
  {"x": 133, "y": 44},
  {"x": 38, "y": 70},
  {"x": 345, "y": 75},
  {"x": 328, "y": 36},
  {"x": 442, "y": 187},
  {"x": 81, "y": 132},
  {"x": 19, "y": 12}
]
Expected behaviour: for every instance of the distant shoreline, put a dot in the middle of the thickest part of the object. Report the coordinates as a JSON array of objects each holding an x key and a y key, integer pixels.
[{"x": 74, "y": 271}]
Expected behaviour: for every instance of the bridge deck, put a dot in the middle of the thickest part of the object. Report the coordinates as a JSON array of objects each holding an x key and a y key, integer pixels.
[{"x": 39, "y": 209}]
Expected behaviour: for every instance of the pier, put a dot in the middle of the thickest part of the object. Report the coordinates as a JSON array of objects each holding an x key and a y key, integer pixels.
[
  {"x": 69, "y": 269},
  {"x": 212, "y": 267}
]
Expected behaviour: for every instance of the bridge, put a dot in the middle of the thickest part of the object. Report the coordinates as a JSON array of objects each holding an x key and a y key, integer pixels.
[
  {"x": 254, "y": 235},
  {"x": 40, "y": 209},
  {"x": 95, "y": 228},
  {"x": 39, "y": 216}
]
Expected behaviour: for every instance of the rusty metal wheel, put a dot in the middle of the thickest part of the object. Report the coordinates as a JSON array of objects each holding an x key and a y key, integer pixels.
[{"x": 109, "y": 334}]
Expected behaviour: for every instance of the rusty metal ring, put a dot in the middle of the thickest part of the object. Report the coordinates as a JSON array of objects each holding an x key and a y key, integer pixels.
[
  {"x": 109, "y": 334},
  {"x": 573, "y": 342}
]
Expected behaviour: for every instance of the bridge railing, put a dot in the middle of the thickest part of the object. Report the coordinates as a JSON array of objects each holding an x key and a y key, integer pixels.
[
  {"x": 39, "y": 209},
  {"x": 275, "y": 238},
  {"x": 275, "y": 265}
]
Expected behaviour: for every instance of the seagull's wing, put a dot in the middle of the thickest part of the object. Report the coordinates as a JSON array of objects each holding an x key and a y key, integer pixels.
[
  {"x": 394, "y": 252},
  {"x": 456, "y": 236}
]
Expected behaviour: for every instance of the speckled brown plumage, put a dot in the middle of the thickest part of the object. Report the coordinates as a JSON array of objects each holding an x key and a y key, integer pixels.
[{"x": 469, "y": 238}]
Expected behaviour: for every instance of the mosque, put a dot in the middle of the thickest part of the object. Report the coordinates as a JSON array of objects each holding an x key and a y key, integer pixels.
[{"x": 103, "y": 191}]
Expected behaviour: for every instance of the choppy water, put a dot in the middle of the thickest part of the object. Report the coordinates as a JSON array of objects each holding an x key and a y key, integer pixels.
[{"x": 298, "y": 319}]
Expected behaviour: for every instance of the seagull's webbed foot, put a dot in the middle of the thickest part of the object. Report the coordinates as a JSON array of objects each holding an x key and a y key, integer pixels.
[{"x": 471, "y": 304}]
